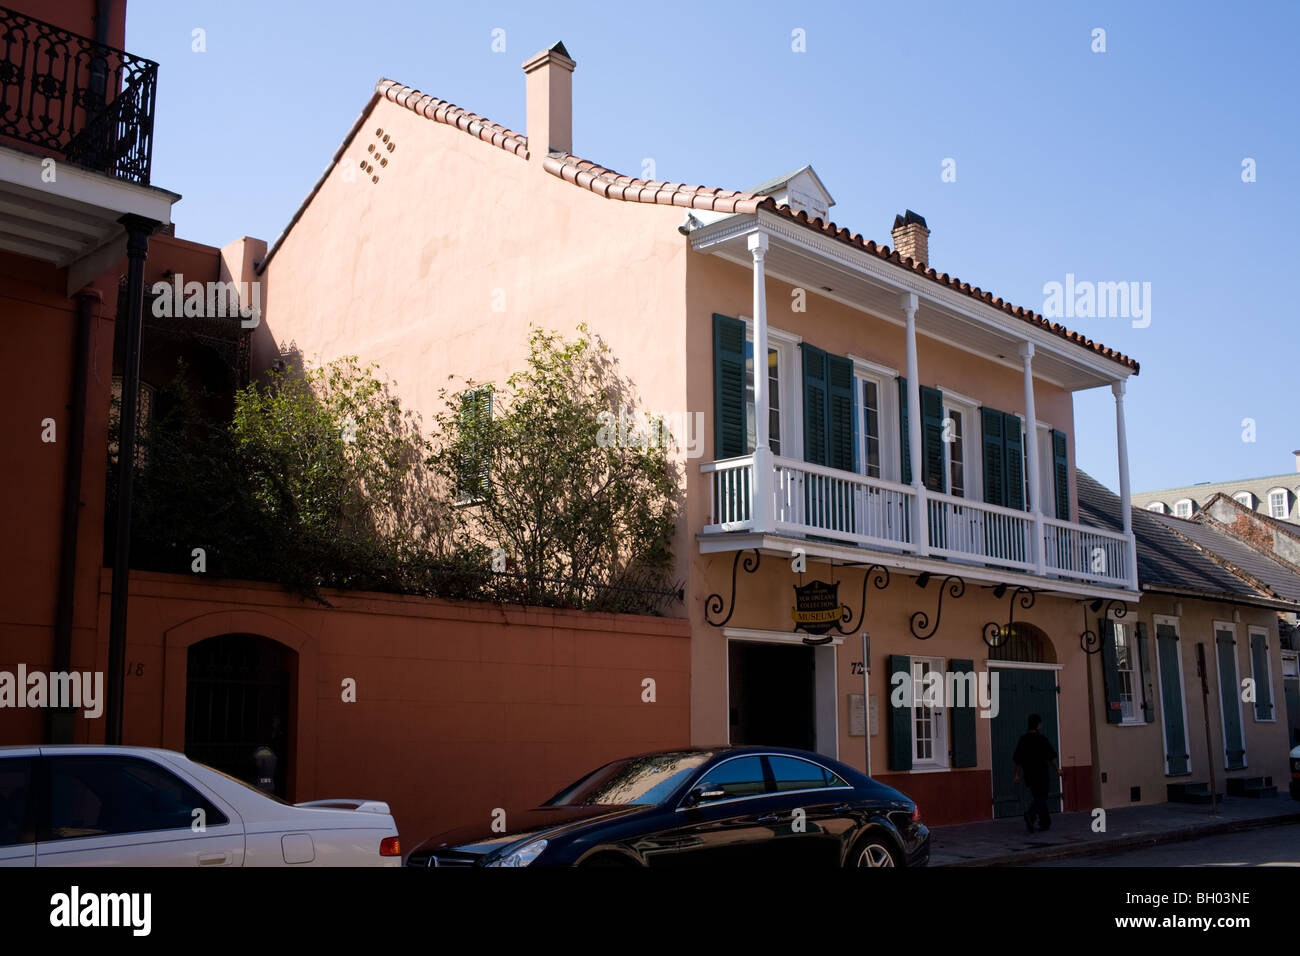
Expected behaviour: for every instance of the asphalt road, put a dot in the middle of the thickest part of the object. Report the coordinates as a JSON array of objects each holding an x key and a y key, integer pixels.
[{"x": 1269, "y": 846}]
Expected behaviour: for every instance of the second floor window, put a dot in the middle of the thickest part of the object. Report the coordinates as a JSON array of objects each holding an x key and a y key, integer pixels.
[
  {"x": 956, "y": 453},
  {"x": 1277, "y": 504},
  {"x": 869, "y": 419},
  {"x": 773, "y": 399}
]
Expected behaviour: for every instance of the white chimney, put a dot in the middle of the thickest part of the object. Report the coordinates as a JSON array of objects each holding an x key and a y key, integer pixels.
[
  {"x": 548, "y": 87},
  {"x": 1297, "y": 459}
]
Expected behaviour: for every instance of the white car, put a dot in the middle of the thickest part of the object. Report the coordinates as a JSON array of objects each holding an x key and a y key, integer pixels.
[{"x": 140, "y": 806}]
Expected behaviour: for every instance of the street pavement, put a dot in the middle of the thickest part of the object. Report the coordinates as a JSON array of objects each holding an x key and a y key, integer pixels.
[
  {"x": 1073, "y": 835},
  {"x": 1270, "y": 846}
]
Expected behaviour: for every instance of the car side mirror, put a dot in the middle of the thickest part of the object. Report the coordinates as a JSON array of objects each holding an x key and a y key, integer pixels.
[{"x": 699, "y": 794}]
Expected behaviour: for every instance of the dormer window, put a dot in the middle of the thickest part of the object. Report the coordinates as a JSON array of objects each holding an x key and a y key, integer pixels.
[
  {"x": 1245, "y": 499},
  {"x": 1158, "y": 507},
  {"x": 1278, "y": 506},
  {"x": 802, "y": 191},
  {"x": 1183, "y": 508}
]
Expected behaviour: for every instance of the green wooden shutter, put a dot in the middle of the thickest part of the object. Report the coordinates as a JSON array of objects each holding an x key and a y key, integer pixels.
[
  {"x": 839, "y": 430},
  {"x": 900, "y": 718},
  {"x": 1110, "y": 671},
  {"x": 1014, "y": 486},
  {"x": 815, "y": 398},
  {"x": 1259, "y": 670},
  {"x": 730, "y": 439},
  {"x": 1144, "y": 664},
  {"x": 963, "y": 722},
  {"x": 991, "y": 443},
  {"x": 1061, "y": 474},
  {"x": 1171, "y": 700},
  {"x": 904, "y": 437},
  {"x": 1229, "y": 702},
  {"x": 932, "y": 444}
]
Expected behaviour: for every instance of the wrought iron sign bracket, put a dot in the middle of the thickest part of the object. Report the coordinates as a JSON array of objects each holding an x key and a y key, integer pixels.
[
  {"x": 714, "y": 604},
  {"x": 876, "y": 574},
  {"x": 995, "y": 634},
  {"x": 1089, "y": 640},
  {"x": 953, "y": 586}
]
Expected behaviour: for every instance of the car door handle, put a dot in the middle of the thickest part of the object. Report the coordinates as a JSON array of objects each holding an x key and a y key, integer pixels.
[
  {"x": 769, "y": 818},
  {"x": 842, "y": 808},
  {"x": 213, "y": 859}
]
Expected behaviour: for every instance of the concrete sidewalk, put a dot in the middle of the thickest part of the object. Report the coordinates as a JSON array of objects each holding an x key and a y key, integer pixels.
[{"x": 1008, "y": 843}]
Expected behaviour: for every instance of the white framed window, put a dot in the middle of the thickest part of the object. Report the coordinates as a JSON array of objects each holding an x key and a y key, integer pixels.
[
  {"x": 962, "y": 451},
  {"x": 875, "y": 420},
  {"x": 1183, "y": 508},
  {"x": 1158, "y": 507},
  {"x": 1128, "y": 667},
  {"x": 1278, "y": 506},
  {"x": 1244, "y": 498},
  {"x": 784, "y": 403},
  {"x": 929, "y": 716}
]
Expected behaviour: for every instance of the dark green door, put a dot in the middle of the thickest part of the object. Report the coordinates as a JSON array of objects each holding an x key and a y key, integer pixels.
[
  {"x": 1171, "y": 701},
  {"x": 1021, "y": 692},
  {"x": 1230, "y": 700}
]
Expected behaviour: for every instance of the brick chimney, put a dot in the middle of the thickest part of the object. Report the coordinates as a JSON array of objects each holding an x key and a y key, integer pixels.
[
  {"x": 548, "y": 86},
  {"x": 911, "y": 237}
]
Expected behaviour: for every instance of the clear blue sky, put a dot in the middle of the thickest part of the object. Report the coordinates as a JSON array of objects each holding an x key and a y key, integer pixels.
[{"x": 1116, "y": 166}]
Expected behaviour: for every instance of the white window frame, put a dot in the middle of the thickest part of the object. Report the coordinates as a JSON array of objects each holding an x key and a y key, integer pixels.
[
  {"x": 1286, "y": 503},
  {"x": 1248, "y": 503},
  {"x": 786, "y": 345},
  {"x": 971, "y": 436},
  {"x": 1236, "y": 683},
  {"x": 1251, "y": 631},
  {"x": 1175, "y": 623},
  {"x": 1178, "y": 507},
  {"x": 1137, "y": 691},
  {"x": 1159, "y": 507},
  {"x": 886, "y": 382},
  {"x": 938, "y": 716}
]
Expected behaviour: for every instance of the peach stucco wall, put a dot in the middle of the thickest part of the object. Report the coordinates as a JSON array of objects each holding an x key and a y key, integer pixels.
[
  {"x": 460, "y": 707},
  {"x": 409, "y": 272},
  {"x": 1133, "y": 755}
]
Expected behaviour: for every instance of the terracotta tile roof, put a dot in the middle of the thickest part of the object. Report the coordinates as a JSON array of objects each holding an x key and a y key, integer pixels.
[
  {"x": 440, "y": 111},
  {"x": 611, "y": 185},
  {"x": 606, "y": 182}
]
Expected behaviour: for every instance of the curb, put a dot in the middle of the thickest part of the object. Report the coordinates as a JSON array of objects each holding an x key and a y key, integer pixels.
[{"x": 1091, "y": 848}]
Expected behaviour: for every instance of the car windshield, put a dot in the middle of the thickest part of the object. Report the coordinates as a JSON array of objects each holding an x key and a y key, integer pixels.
[{"x": 642, "y": 781}]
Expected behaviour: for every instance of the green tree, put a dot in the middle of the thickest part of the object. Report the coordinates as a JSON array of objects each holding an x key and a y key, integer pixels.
[{"x": 582, "y": 522}]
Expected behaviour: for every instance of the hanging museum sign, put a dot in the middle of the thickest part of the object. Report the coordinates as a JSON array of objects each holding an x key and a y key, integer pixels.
[{"x": 817, "y": 607}]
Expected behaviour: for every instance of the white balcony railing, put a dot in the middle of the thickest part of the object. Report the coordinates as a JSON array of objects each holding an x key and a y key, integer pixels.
[{"x": 815, "y": 501}]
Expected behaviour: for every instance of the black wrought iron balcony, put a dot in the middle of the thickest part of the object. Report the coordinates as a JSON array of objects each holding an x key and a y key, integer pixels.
[{"x": 88, "y": 103}]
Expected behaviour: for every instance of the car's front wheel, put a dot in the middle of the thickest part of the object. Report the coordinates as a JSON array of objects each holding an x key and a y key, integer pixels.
[{"x": 873, "y": 851}]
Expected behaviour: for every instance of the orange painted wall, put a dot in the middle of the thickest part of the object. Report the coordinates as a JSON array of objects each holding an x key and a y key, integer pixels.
[{"x": 461, "y": 707}]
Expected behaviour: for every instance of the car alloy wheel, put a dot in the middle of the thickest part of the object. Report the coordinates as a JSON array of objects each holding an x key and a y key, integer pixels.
[{"x": 874, "y": 855}]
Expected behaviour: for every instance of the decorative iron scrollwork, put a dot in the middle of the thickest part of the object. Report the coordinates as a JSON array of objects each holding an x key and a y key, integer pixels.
[
  {"x": 1089, "y": 640},
  {"x": 878, "y": 575},
  {"x": 953, "y": 586},
  {"x": 714, "y": 604},
  {"x": 995, "y": 634}
]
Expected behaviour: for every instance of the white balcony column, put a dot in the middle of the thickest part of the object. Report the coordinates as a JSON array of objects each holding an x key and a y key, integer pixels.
[
  {"x": 1034, "y": 484},
  {"x": 1125, "y": 502},
  {"x": 763, "y": 463},
  {"x": 921, "y": 517}
]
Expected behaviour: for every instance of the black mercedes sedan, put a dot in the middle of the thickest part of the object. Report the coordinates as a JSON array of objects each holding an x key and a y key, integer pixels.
[{"x": 723, "y": 806}]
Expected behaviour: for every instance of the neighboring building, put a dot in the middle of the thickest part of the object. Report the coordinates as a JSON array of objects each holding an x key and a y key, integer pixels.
[
  {"x": 1202, "y": 599},
  {"x": 1277, "y": 496},
  {"x": 910, "y": 420},
  {"x": 460, "y": 707}
]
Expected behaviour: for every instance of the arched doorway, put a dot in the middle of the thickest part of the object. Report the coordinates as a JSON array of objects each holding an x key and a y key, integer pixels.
[
  {"x": 1026, "y": 668},
  {"x": 237, "y": 699}
]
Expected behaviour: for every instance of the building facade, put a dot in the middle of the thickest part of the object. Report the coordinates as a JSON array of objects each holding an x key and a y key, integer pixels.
[
  {"x": 906, "y": 504},
  {"x": 1277, "y": 496}
]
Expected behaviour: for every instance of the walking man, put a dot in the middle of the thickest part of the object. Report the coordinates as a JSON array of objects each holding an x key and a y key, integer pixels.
[{"x": 1035, "y": 756}]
